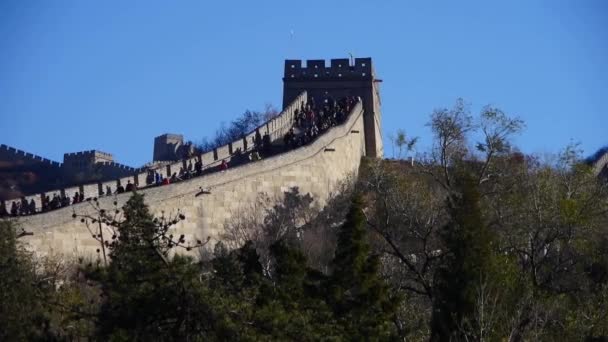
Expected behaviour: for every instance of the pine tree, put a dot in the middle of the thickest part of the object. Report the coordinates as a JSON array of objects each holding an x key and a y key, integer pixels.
[
  {"x": 147, "y": 296},
  {"x": 22, "y": 312},
  {"x": 290, "y": 305},
  {"x": 359, "y": 297},
  {"x": 469, "y": 264}
]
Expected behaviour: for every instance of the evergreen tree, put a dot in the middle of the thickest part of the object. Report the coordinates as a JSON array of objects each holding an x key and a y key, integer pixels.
[
  {"x": 290, "y": 305},
  {"x": 468, "y": 265},
  {"x": 148, "y": 296},
  {"x": 22, "y": 313},
  {"x": 359, "y": 297}
]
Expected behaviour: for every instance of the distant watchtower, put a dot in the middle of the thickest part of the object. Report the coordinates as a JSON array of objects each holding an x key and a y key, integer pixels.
[
  {"x": 166, "y": 147},
  {"x": 338, "y": 80}
]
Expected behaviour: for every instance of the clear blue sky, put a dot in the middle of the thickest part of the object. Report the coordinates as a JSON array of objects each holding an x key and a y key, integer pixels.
[{"x": 112, "y": 75}]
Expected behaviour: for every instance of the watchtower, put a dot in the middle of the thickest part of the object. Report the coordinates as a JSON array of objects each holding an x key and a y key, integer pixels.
[
  {"x": 341, "y": 78},
  {"x": 85, "y": 160},
  {"x": 166, "y": 146}
]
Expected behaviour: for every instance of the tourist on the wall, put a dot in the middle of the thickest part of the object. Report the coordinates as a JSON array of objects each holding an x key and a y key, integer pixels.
[
  {"x": 3, "y": 211},
  {"x": 130, "y": 186},
  {"x": 45, "y": 202},
  {"x": 198, "y": 166},
  {"x": 81, "y": 197},
  {"x": 150, "y": 177},
  {"x": 24, "y": 207},
  {"x": 223, "y": 165},
  {"x": 65, "y": 200},
  {"x": 76, "y": 198},
  {"x": 32, "y": 206},
  {"x": 54, "y": 202},
  {"x": 14, "y": 209},
  {"x": 267, "y": 144},
  {"x": 257, "y": 142}
]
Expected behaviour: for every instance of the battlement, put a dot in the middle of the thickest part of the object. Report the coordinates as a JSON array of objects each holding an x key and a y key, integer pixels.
[
  {"x": 11, "y": 153},
  {"x": 88, "y": 154},
  {"x": 119, "y": 166},
  {"x": 171, "y": 136},
  {"x": 338, "y": 69}
]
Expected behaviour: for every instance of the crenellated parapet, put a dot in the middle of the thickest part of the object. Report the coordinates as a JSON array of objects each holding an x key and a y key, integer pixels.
[
  {"x": 89, "y": 154},
  {"x": 337, "y": 69},
  {"x": 11, "y": 153}
]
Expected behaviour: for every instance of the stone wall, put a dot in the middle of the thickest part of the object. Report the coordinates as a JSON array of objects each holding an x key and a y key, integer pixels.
[{"x": 316, "y": 168}]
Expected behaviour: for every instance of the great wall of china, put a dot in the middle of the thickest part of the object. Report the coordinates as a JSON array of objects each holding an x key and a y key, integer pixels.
[{"x": 316, "y": 168}]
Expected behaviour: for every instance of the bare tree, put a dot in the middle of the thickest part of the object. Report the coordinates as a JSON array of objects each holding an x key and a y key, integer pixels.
[
  {"x": 162, "y": 240},
  {"x": 269, "y": 220}
]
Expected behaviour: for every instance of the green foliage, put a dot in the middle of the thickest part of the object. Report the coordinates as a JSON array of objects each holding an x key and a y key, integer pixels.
[
  {"x": 359, "y": 297},
  {"x": 22, "y": 314},
  {"x": 147, "y": 296},
  {"x": 475, "y": 285}
]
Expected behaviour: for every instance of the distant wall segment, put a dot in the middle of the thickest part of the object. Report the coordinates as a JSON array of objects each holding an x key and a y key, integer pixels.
[{"x": 121, "y": 174}]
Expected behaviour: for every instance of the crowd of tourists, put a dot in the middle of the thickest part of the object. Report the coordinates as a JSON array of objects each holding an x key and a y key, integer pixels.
[
  {"x": 314, "y": 119},
  {"x": 23, "y": 207},
  {"x": 311, "y": 120}
]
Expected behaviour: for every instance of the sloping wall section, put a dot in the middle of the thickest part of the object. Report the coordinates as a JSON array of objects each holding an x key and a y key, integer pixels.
[{"x": 316, "y": 169}]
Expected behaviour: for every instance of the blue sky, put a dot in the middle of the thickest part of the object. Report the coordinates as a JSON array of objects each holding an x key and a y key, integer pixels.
[{"x": 112, "y": 75}]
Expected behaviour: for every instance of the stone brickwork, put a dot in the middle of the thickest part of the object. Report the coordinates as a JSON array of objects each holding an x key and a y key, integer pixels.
[
  {"x": 316, "y": 168},
  {"x": 600, "y": 166}
]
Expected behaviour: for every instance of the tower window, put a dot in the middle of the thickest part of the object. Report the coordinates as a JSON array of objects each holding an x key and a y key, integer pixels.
[
  {"x": 339, "y": 75},
  {"x": 363, "y": 64},
  {"x": 363, "y": 74},
  {"x": 293, "y": 66},
  {"x": 316, "y": 75}
]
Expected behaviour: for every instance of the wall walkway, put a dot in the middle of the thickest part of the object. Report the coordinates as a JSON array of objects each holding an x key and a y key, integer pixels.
[{"x": 316, "y": 169}]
